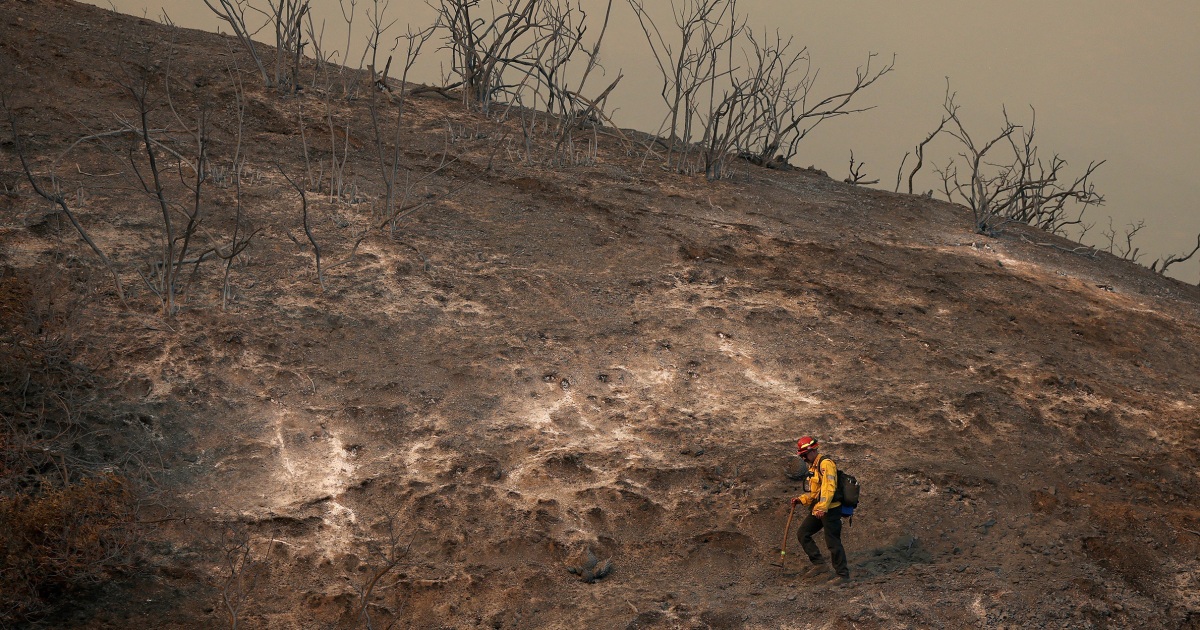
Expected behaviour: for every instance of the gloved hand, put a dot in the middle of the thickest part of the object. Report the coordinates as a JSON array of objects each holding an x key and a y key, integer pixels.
[
  {"x": 803, "y": 499},
  {"x": 819, "y": 513}
]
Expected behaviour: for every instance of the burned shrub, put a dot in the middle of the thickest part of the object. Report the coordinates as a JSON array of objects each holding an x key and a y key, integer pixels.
[{"x": 66, "y": 516}]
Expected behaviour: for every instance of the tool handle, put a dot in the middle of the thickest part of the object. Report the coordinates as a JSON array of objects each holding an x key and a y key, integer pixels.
[{"x": 787, "y": 532}]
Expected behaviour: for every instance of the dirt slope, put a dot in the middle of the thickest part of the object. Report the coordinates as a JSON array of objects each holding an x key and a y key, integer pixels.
[{"x": 600, "y": 355}]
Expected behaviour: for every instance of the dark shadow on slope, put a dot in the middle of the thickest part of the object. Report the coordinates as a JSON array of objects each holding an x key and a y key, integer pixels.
[{"x": 904, "y": 552}]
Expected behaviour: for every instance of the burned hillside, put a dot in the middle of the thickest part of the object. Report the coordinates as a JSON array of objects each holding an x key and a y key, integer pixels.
[{"x": 545, "y": 386}]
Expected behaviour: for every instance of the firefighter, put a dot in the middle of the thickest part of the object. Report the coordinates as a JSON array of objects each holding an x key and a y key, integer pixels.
[{"x": 825, "y": 513}]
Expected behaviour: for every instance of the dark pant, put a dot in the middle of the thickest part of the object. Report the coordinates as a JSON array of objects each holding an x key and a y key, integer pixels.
[{"x": 832, "y": 524}]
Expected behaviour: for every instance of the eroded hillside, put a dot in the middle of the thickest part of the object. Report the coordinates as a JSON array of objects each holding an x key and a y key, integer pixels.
[{"x": 595, "y": 355}]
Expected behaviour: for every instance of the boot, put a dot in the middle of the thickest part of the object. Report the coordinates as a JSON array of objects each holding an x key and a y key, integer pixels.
[{"x": 816, "y": 569}]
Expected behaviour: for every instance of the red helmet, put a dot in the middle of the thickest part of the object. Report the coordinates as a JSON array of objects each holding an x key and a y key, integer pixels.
[{"x": 806, "y": 444}]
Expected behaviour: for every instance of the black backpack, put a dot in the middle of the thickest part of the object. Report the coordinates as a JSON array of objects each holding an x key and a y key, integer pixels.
[{"x": 846, "y": 492}]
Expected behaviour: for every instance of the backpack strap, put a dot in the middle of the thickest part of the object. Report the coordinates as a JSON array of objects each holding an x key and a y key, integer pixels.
[{"x": 821, "y": 473}]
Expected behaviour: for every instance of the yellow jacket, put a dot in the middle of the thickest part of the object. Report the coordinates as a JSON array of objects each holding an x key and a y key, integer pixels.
[{"x": 821, "y": 485}]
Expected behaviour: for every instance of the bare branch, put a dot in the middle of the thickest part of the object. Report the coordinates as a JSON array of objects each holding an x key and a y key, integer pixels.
[
  {"x": 1173, "y": 258},
  {"x": 950, "y": 110},
  {"x": 856, "y": 177},
  {"x": 390, "y": 557},
  {"x": 288, "y": 18},
  {"x": 304, "y": 221},
  {"x": 805, "y": 118},
  {"x": 1026, "y": 189},
  {"x": 58, "y": 200},
  {"x": 233, "y": 13},
  {"x": 481, "y": 50},
  {"x": 759, "y": 107},
  {"x": 236, "y": 246}
]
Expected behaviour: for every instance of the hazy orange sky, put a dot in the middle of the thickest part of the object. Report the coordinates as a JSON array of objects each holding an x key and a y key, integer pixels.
[{"x": 1111, "y": 80}]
